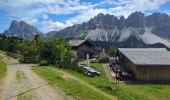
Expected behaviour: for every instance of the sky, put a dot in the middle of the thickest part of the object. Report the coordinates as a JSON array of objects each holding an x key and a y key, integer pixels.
[{"x": 53, "y": 15}]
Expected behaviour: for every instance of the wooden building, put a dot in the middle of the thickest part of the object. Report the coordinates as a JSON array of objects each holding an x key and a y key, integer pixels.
[
  {"x": 83, "y": 47},
  {"x": 146, "y": 64}
]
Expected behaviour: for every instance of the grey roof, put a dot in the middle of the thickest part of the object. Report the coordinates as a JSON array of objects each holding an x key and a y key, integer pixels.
[
  {"x": 76, "y": 42},
  {"x": 147, "y": 56}
]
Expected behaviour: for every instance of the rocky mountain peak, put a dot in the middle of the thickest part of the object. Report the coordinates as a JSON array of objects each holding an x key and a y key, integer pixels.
[
  {"x": 22, "y": 30},
  {"x": 149, "y": 29},
  {"x": 157, "y": 19},
  {"x": 14, "y": 23},
  {"x": 122, "y": 21},
  {"x": 103, "y": 21},
  {"x": 135, "y": 20}
]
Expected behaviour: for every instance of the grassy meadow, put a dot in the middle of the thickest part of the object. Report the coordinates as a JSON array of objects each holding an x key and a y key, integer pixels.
[
  {"x": 69, "y": 86},
  {"x": 122, "y": 91},
  {"x": 3, "y": 68}
]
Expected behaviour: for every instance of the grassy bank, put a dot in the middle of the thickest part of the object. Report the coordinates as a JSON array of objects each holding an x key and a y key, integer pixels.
[
  {"x": 122, "y": 91},
  {"x": 70, "y": 86},
  {"x": 146, "y": 91},
  {"x": 3, "y": 68},
  {"x": 102, "y": 82}
]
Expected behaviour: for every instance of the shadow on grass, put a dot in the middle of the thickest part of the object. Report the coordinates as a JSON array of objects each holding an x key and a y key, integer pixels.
[{"x": 135, "y": 82}]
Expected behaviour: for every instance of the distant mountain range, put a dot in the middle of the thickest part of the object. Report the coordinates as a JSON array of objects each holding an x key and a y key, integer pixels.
[
  {"x": 22, "y": 30},
  {"x": 137, "y": 30},
  {"x": 149, "y": 29}
]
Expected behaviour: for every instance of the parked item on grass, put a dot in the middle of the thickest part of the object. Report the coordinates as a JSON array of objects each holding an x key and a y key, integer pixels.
[
  {"x": 94, "y": 60},
  {"x": 89, "y": 71}
]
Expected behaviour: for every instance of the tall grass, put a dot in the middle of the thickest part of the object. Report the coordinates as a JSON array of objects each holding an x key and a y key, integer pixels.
[
  {"x": 71, "y": 87},
  {"x": 3, "y": 68},
  {"x": 123, "y": 91}
]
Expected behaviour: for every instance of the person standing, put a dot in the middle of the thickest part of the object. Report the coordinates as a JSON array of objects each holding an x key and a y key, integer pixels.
[
  {"x": 120, "y": 74},
  {"x": 117, "y": 77}
]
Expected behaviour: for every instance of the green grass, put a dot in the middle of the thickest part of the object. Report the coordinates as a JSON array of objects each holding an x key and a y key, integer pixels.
[
  {"x": 125, "y": 91},
  {"x": 135, "y": 91},
  {"x": 20, "y": 75},
  {"x": 24, "y": 97},
  {"x": 70, "y": 87},
  {"x": 101, "y": 82},
  {"x": 146, "y": 91},
  {"x": 2, "y": 52},
  {"x": 13, "y": 55},
  {"x": 3, "y": 68}
]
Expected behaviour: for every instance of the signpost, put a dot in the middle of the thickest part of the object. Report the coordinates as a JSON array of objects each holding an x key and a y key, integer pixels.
[{"x": 88, "y": 61}]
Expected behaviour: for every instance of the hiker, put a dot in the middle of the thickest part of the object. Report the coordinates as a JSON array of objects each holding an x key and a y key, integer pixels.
[
  {"x": 120, "y": 73},
  {"x": 117, "y": 77}
]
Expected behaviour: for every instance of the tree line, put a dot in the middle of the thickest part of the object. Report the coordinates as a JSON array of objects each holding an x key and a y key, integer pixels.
[{"x": 52, "y": 51}]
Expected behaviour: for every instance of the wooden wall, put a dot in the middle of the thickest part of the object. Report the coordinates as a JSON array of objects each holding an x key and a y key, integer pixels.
[
  {"x": 148, "y": 72},
  {"x": 130, "y": 67},
  {"x": 153, "y": 73}
]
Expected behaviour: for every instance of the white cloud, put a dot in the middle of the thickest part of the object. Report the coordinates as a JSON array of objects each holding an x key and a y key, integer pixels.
[
  {"x": 124, "y": 7},
  {"x": 45, "y": 17},
  {"x": 53, "y": 25},
  {"x": 37, "y": 7},
  {"x": 32, "y": 10},
  {"x": 137, "y": 5},
  {"x": 21, "y": 3},
  {"x": 30, "y": 21},
  {"x": 50, "y": 25},
  {"x": 85, "y": 16},
  {"x": 167, "y": 12}
]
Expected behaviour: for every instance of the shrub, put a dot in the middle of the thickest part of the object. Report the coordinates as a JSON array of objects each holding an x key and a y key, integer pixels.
[
  {"x": 104, "y": 60},
  {"x": 43, "y": 63}
]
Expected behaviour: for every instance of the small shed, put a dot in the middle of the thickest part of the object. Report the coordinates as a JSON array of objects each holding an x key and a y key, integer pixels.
[
  {"x": 80, "y": 47},
  {"x": 146, "y": 64}
]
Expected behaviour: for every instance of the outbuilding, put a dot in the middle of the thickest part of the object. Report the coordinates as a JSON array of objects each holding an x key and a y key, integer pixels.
[
  {"x": 83, "y": 47},
  {"x": 146, "y": 64}
]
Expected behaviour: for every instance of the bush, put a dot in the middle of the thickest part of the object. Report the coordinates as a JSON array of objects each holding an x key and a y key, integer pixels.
[
  {"x": 104, "y": 60},
  {"x": 43, "y": 63},
  {"x": 13, "y": 55},
  {"x": 34, "y": 60}
]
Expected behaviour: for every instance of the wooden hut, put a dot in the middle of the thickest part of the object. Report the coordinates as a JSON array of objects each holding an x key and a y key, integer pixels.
[
  {"x": 83, "y": 47},
  {"x": 146, "y": 64}
]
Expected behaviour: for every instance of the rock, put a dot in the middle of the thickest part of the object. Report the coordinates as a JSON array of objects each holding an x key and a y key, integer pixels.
[{"x": 22, "y": 30}]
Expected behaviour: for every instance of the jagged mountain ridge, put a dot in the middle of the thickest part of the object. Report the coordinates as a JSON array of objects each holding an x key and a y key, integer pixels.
[
  {"x": 150, "y": 29},
  {"x": 22, "y": 30}
]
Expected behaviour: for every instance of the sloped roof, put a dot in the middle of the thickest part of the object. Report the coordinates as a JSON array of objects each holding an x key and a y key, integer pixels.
[
  {"x": 147, "y": 56},
  {"x": 76, "y": 42}
]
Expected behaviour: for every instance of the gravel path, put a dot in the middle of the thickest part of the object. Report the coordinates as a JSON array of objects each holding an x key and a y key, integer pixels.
[{"x": 32, "y": 84}]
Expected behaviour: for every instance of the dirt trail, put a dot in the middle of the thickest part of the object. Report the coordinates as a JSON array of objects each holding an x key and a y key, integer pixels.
[
  {"x": 32, "y": 84},
  {"x": 107, "y": 71}
]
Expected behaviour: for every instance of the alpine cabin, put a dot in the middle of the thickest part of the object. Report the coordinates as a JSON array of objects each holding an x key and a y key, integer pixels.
[
  {"x": 146, "y": 64},
  {"x": 83, "y": 47}
]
